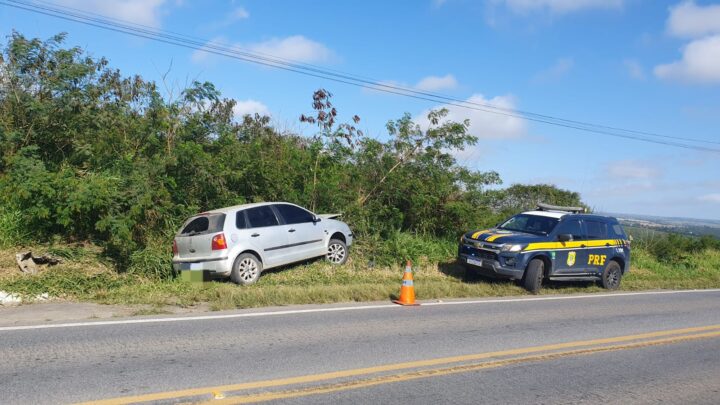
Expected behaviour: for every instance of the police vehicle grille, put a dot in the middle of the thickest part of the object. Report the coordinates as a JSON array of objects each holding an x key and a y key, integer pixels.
[{"x": 486, "y": 254}]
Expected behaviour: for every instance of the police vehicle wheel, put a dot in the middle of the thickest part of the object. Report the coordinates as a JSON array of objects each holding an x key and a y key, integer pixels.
[
  {"x": 534, "y": 275},
  {"x": 611, "y": 276},
  {"x": 246, "y": 269}
]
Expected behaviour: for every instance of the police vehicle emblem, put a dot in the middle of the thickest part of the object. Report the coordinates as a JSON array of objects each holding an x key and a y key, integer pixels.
[{"x": 571, "y": 259}]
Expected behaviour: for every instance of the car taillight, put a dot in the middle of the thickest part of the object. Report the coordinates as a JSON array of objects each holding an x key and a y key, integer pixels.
[
  {"x": 175, "y": 249},
  {"x": 218, "y": 242}
]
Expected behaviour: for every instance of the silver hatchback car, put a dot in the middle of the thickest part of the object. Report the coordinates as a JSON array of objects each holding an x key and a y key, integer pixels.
[{"x": 242, "y": 241}]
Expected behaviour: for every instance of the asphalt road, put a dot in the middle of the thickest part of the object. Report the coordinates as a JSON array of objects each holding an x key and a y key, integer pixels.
[{"x": 618, "y": 348}]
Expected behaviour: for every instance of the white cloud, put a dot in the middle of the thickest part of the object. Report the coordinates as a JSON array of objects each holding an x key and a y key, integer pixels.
[
  {"x": 559, "y": 6},
  {"x": 143, "y": 12},
  {"x": 713, "y": 198},
  {"x": 634, "y": 69},
  {"x": 700, "y": 63},
  {"x": 239, "y": 14},
  {"x": 485, "y": 125},
  {"x": 249, "y": 107},
  {"x": 632, "y": 169},
  {"x": 435, "y": 83},
  {"x": 561, "y": 67},
  {"x": 689, "y": 20},
  {"x": 296, "y": 48}
]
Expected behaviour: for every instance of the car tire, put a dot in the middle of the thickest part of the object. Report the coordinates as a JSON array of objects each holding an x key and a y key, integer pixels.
[
  {"x": 337, "y": 252},
  {"x": 611, "y": 276},
  {"x": 534, "y": 274},
  {"x": 246, "y": 269}
]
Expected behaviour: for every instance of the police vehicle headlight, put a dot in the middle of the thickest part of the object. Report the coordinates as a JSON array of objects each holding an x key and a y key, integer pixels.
[{"x": 511, "y": 248}]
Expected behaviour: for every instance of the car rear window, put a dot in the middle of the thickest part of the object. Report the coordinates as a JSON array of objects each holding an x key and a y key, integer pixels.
[
  {"x": 240, "y": 221},
  {"x": 204, "y": 224},
  {"x": 618, "y": 232}
]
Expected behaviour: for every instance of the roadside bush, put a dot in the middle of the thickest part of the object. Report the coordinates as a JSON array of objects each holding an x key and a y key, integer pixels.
[
  {"x": 13, "y": 230},
  {"x": 398, "y": 247},
  {"x": 676, "y": 249},
  {"x": 152, "y": 262}
]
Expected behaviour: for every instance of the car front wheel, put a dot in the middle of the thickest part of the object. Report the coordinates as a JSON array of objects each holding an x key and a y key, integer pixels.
[
  {"x": 534, "y": 275},
  {"x": 337, "y": 252}
]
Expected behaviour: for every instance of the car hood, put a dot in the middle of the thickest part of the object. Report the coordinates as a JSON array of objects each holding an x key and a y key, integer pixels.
[
  {"x": 328, "y": 216},
  {"x": 502, "y": 236}
]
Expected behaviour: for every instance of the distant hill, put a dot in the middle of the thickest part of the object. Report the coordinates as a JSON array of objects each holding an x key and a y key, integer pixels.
[{"x": 685, "y": 226}]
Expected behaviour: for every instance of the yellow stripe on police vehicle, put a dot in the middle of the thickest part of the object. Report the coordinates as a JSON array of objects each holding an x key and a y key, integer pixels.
[{"x": 550, "y": 242}]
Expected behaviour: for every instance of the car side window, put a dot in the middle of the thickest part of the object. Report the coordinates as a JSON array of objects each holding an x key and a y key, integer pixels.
[
  {"x": 597, "y": 230},
  {"x": 259, "y": 217},
  {"x": 293, "y": 214},
  {"x": 571, "y": 227},
  {"x": 240, "y": 221}
]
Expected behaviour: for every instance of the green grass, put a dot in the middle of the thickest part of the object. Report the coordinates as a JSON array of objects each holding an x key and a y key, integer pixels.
[{"x": 85, "y": 278}]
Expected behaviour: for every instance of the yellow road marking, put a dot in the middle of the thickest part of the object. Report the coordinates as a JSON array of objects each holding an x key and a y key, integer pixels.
[
  {"x": 350, "y": 385},
  {"x": 393, "y": 367}
]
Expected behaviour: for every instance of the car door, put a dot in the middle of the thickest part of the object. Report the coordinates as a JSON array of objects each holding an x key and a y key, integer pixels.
[
  {"x": 267, "y": 233},
  {"x": 571, "y": 259},
  {"x": 599, "y": 246},
  {"x": 306, "y": 236}
]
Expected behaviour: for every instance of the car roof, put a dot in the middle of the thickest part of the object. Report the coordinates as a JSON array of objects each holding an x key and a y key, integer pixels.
[
  {"x": 234, "y": 208},
  {"x": 551, "y": 214},
  {"x": 562, "y": 214}
]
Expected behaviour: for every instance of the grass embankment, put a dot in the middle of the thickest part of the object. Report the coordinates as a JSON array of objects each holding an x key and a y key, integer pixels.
[{"x": 84, "y": 277}]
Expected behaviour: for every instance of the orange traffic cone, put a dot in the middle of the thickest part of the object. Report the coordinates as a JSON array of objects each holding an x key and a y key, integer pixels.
[{"x": 407, "y": 291}]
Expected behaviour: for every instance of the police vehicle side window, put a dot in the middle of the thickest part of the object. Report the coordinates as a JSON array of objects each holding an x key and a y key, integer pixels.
[
  {"x": 597, "y": 230},
  {"x": 571, "y": 227},
  {"x": 616, "y": 232}
]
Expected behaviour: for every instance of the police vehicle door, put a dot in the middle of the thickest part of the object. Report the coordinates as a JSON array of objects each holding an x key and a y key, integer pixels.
[
  {"x": 572, "y": 257},
  {"x": 598, "y": 255}
]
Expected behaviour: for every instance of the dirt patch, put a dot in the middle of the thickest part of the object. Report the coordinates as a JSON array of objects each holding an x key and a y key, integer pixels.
[{"x": 52, "y": 312}]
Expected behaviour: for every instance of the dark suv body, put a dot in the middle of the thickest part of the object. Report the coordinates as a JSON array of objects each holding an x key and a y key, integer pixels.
[{"x": 557, "y": 243}]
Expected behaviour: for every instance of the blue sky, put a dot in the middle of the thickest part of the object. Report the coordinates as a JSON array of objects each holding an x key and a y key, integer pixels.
[{"x": 647, "y": 65}]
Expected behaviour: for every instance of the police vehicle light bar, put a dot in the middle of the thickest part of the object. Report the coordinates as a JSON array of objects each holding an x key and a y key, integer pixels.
[{"x": 548, "y": 207}]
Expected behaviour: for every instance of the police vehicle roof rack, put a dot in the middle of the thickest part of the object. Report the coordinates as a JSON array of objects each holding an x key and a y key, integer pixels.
[{"x": 548, "y": 207}]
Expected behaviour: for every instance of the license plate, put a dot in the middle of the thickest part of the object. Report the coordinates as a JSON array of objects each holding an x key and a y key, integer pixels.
[
  {"x": 191, "y": 266},
  {"x": 474, "y": 262}
]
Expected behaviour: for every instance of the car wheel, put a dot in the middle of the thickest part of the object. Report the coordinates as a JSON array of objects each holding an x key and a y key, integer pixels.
[
  {"x": 534, "y": 275},
  {"x": 611, "y": 276},
  {"x": 246, "y": 269},
  {"x": 337, "y": 252}
]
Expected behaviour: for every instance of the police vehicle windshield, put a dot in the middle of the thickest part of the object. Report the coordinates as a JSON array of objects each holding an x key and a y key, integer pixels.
[{"x": 534, "y": 224}]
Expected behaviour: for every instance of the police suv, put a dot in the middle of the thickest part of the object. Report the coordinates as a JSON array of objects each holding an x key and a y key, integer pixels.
[{"x": 556, "y": 243}]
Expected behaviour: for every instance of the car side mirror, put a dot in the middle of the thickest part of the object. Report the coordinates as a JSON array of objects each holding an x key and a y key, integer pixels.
[
  {"x": 316, "y": 219},
  {"x": 565, "y": 237}
]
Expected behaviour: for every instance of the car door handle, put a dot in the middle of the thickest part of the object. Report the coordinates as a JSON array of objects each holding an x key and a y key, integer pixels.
[
  {"x": 291, "y": 230},
  {"x": 255, "y": 235}
]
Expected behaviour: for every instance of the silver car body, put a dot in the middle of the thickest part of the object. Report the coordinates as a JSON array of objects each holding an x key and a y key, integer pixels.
[{"x": 249, "y": 228}]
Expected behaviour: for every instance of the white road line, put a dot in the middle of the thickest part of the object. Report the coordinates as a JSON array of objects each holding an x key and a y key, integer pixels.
[{"x": 342, "y": 309}]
